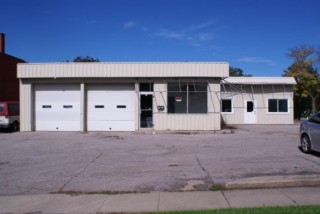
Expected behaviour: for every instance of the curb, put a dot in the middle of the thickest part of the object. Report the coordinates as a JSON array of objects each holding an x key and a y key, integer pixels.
[{"x": 275, "y": 182}]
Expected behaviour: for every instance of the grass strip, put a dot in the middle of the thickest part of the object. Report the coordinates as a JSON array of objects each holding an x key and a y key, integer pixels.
[{"x": 305, "y": 209}]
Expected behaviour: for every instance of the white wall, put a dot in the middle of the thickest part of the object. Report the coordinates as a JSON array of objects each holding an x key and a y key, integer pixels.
[{"x": 261, "y": 94}]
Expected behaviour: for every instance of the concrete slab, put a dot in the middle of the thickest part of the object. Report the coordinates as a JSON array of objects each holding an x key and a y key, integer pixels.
[
  {"x": 303, "y": 196},
  {"x": 170, "y": 201},
  {"x": 256, "y": 198},
  {"x": 140, "y": 202},
  {"x": 275, "y": 182},
  {"x": 24, "y": 203},
  {"x": 75, "y": 204}
]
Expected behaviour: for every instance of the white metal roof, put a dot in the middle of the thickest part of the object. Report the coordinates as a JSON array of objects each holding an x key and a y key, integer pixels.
[
  {"x": 123, "y": 70},
  {"x": 260, "y": 80}
]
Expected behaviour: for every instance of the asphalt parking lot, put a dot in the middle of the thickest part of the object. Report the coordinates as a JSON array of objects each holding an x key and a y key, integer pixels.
[{"x": 43, "y": 162}]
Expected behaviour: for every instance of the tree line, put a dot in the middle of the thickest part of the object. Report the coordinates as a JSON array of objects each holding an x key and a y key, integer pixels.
[{"x": 305, "y": 70}]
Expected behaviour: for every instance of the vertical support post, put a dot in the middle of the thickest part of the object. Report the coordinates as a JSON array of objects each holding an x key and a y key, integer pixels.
[
  {"x": 32, "y": 108},
  {"x": 83, "y": 107}
]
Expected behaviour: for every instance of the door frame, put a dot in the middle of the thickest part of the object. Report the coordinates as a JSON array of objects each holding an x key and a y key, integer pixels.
[
  {"x": 141, "y": 94},
  {"x": 250, "y": 117}
]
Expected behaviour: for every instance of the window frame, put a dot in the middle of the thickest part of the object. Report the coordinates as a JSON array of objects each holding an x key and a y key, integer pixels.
[
  {"x": 278, "y": 112},
  {"x": 227, "y": 112},
  {"x": 187, "y": 92}
]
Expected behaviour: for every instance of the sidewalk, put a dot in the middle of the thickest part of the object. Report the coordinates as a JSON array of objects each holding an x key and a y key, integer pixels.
[{"x": 159, "y": 201}]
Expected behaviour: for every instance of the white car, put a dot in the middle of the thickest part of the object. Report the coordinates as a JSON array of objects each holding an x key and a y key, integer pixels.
[{"x": 310, "y": 134}]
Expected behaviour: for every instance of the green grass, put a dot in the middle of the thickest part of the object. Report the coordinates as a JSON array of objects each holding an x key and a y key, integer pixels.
[
  {"x": 217, "y": 187},
  {"x": 309, "y": 209}
]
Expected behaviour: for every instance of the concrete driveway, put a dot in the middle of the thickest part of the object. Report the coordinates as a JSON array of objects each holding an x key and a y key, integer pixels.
[{"x": 43, "y": 162}]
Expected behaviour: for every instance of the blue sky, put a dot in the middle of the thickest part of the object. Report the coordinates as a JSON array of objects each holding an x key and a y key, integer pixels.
[{"x": 254, "y": 35}]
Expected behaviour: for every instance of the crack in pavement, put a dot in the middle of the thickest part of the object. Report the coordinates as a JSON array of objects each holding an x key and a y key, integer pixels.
[
  {"x": 225, "y": 198},
  {"x": 81, "y": 171},
  {"x": 203, "y": 169},
  {"x": 287, "y": 196}
]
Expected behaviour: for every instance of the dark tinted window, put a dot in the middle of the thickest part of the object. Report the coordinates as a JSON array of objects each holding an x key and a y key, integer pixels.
[
  {"x": 146, "y": 87},
  {"x": 278, "y": 105},
  {"x": 14, "y": 109},
  {"x": 250, "y": 106},
  {"x": 315, "y": 119},
  {"x": 226, "y": 106},
  {"x": 272, "y": 105},
  {"x": 187, "y": 98},
  {"x": 283, "y": 106}
]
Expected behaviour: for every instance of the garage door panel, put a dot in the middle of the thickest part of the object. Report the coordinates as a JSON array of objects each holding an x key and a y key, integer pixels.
[
  {"x": 120, "y": 97},
  {"x": 98, "y": 116},
  {"x": 54, "y": 116},
  {"x": 58, "y": 126},
  {"x": 57, "y": 107},
  {"x": 111, "y": 125},
  {"x": 111, "y": 107}
]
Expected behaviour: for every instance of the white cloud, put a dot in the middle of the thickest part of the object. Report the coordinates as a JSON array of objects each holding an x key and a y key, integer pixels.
[
  {"x": 256, "y": 60},
  {"x": 169, "y": 34},
  {"x": 128, "y": 24},
  {"x": 201, "y": 26}
]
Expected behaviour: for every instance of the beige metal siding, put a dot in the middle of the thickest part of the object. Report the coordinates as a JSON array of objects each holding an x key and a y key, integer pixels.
[
  {"x": 261, "y": 94},
  {"x": 26, "y": 106},
  {"x": 113, "y": 70},
  {"x": 188, "y": 122}
]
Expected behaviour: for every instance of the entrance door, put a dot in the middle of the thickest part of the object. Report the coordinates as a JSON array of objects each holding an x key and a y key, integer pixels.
[
  {"x": 250, "y": 115},
  {"x": 146, "y": 110}
]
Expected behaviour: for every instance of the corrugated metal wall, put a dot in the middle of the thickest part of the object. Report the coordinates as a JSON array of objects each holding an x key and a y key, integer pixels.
[
  {"x": 65, "y": 70},
  {"x": 261, "y": 93},
  {"x": 26, "y": 106}
]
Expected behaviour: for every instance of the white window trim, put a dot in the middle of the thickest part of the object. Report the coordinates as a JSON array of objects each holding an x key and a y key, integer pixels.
[
  {"x": 277, "y": 113},
  {"x": 232, "y": 111}
]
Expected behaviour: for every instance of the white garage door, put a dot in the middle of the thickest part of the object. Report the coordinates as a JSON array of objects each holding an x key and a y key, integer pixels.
[
  {"x": 111, "y": 107},
  {"x": 57, "y": 107}
]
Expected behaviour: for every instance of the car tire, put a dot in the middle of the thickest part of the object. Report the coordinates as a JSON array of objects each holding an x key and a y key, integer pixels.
[
  {"x": 15, "y": 127},
  {"x": 305, "y": 144}
]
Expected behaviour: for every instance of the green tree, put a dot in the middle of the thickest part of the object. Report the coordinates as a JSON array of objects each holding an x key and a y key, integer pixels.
[
  {"x": 84, "y": 59},
  {"x": 303, "y": 69},
  {"x": 236, "y": 72}
]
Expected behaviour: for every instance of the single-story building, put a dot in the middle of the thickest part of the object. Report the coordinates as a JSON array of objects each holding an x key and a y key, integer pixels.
[
  {"x": 133, "y": 96},
  {"x": 257, "y": 100}
]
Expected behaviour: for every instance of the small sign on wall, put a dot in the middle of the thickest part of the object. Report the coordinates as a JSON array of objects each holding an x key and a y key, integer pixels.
[{"x": 178, "y": 99}]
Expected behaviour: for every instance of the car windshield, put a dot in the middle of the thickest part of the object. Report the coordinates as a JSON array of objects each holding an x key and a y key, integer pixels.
[
  {"x": 1, "y": 107},
  {"x": 315, "y": 118}
]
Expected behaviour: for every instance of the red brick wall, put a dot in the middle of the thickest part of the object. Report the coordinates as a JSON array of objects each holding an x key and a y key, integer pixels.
[{"x": 9, "y": 83}]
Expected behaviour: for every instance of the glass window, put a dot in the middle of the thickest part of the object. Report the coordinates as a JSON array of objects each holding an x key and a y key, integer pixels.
[
  {"x": 315, "y": 119},
  {"x": 250, "y": 106},
  {"x": 187, "y": 98},
  {"x": 14, "y": 109},
  {"x": 278, "y": 105},
  {"x": 146, "y": 87},
  {"x": 226, "y": 105},
  {"x": 283, "y": 106}
]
